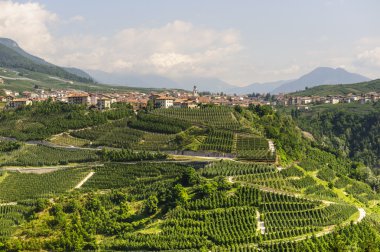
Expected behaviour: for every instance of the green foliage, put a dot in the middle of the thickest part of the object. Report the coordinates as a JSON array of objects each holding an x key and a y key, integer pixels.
[
  {"x": 218, "y": 140},
  {"x": 129, "y": 155},
  {"x": 253, "y": 148},
  {"x": 13, "y": 215},
  {"x": 180, "y": 195},
  {"x": 346, "y": 132},
  {"x": 303, "y": 182},
  {"x": 286, "y": 135},
  {"x": 211, "y": 214},
  {"x": 117, "y": 134},
  {"x": 321, "y": 191},
  {"x": 7, "y": 146},
  {"x": 292, "y": 171},
  {"x": 216, "y": 117},
  {"x": 21, "y": 186},
  {"x": 326, "y": 174},
  {"x": 43, "y": 119},
  {"x": 317, "y": 159},
  {"x": 261, "y": 110},
  {"x": 140, "y": 179},
  {"x": 40, "y": 155},
  {"x": 159, "y": 124},
  {"x": 151, "y": 204},
  {"x": 361, "y": 237},
  {"x": 227, "y": 168},
  {"x": 190, "y": 177}
]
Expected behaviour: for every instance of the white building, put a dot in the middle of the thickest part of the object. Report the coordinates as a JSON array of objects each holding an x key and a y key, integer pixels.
[
  {"x": 164, "y": 102},
  {"x": 103, "y": 103},
  {"x": 21, "y": 102},
  {"x": 80, "y": 99}
]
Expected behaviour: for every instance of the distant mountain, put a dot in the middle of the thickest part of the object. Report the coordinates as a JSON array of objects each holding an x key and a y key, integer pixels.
[
  {"x": 320, "y": 76},
  {"x": 132, "y": 79},
  {"x": 77, "y": 72},
  {"x": 158, "y": 81},
  {"x": 266, "y": 87},
  {"x": 13, "y": 56},
  {"x": 213, "y": 85}
]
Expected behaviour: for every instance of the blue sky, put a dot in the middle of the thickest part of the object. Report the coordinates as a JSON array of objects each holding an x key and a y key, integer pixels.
[{"x": 240, "y": 42}]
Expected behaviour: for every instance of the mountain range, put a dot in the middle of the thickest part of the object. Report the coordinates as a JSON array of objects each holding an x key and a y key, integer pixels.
[
  {"x": 13, "y": 56},
  {"x": 319, "y": 76}
]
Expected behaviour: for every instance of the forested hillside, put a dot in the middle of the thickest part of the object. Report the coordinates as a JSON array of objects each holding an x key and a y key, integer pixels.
[
  {"x": 12, "y": 59},
  {"x": 348, "y": 132}
]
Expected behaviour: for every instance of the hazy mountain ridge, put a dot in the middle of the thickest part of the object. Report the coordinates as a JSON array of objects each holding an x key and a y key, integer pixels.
[
  {"x": 158, "y": 81},
  {"x": 265, "y": 87},
  {"x": 11, "y": 55},
  {"x": 320, "y": 76}
]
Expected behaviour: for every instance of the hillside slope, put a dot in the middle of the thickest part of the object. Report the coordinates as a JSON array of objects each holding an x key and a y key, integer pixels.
[
  {"x": 342, "y": 89},
  {"x": 12, "y": 56}
]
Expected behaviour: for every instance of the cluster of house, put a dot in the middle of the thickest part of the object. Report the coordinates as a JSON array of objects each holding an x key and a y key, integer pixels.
[
  {"x": 15, "y": 99},
  {"x": 138, "y": 100},
  {"x": 307, "y": 100},
  {"x": 193, "y": 99}
]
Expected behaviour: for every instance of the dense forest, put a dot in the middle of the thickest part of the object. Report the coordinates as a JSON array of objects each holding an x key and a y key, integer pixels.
[{"x": 355, "y": 134}]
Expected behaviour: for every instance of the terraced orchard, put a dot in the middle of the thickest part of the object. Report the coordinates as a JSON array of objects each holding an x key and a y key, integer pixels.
[
  {"x": 39, "y": 155},
  {"x": 169, "y": 206},
  {"x": 204, "y": 130},
  {"x": 217, "y": 117},
  {"x": 21, "y": 186}
]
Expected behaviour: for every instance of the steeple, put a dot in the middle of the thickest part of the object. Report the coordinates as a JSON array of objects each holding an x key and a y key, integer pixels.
[{"x": 195, "y": 91}]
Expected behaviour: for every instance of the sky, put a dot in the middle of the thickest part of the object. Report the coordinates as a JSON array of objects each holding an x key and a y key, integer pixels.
[{"x": 240, "y": 42}]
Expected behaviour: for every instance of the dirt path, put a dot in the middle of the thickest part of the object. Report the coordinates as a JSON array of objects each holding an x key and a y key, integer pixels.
[
  {"x": 8, "y": 204},
  {"x": 230, "y": 179},
  {"x": 16, "y": 78},
  {"x": 84, "y": 180},
  {"x": 271, "y": 146},
  {"x": 260, "y": 224},
  {"x": 362, "y": 214},
  {"x": 46, "y": 169},
  {"x": 34, "y": 170}
]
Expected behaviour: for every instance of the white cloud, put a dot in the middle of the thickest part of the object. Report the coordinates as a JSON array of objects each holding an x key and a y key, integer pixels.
[
  {"x": 28, "y": 25},
  {"x": 370, "y": 58},
  {"x": 175, "y": 49}
]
